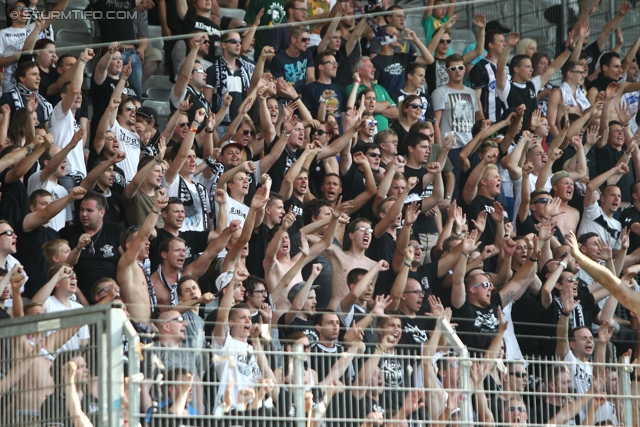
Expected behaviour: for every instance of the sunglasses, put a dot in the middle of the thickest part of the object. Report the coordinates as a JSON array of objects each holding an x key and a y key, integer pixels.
[
  {"x": 206, "y": 42},
  {"x": 183, "y": 125},
  {"x": 198, "y": 70},
  {"x": 417, "y": 292},
  {"x": 248, "y": 132},
  {"x": 374, "y": 155},
  {"x": 371, "y": 122},
  {"x": 415, "y": 106},
  {"x": 541, "y": 200},
  {"x": 178, "y": 319},
  {"x": 234, "y": 41},
  {"x": 332, "y": 62},
  {"x": 304, "y": 39},
  {"x": 131, "y": 108},
  {"x": 416, "y": 245},
  {"x": 8, "y": 233},
  {"x": 318, "y": 131},
  {"x": 445, "y": 41},
  {"x": 485, "y": 285},
  {"x": 456, "y": 68},
  {"x": 571, "y": 279},
  {"x": 367, "y": 229}
]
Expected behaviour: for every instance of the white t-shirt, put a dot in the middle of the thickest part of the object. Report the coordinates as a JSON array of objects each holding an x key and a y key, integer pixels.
[
  {"x": 245, "y": 373},
  {"x": 589, "y": 224},
  {"x": 11, "y": 42},
  {"x": 58, "y": 192},
  {"x": 62, "y": 128},
  {"x": 130, "y": 144},
  {"x": 11, "y": 261},
  {"x": 581, "y": 376},
  {"x": 459, "y": 112},
  {"x": 52, "y": 305}
]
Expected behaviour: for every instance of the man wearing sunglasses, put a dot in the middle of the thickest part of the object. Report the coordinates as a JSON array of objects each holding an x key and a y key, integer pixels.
[
  {"x": 296, "y": 11},
  {"x": 295, "y": 65},
  {"x": 317, "y": 93},
  {"x": 542, "y": 206}
]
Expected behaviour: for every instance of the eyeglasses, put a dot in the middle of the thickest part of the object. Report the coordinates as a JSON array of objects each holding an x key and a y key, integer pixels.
[
  {"x": 542, "y": 200},
  {"x": 261, "y": 291},
  {"x": 131, "y": 229},
  {"x": 520, "y": 409},
  {"x": 332, "y": 62},
  {"x": 518, "y": 374},
  {"x": 367, "y": 229},
  {"x": 234, "y": 41},
  {"x": 198, "y": 70},
  {"x": 301, "y": 9},
  {"x": 304, "y": 39},
  {"x": 445, "y": 41},
  {"x": 456, "y": 68},
  {"x": 416, "y": 245},
  {"x": 417, "y": 292},
  {"x": 131, "y": 108},
  {"x": 178, "y": 319},
  {"x": 248, "y": 132},
  {"x": 374, "y": 155},
  {"x": 571, "y": 279},
  {"x": 415, "y": 106},
  {"x": 20, "y": 8},
  {"x": 7, "y": 233},
  {"x": 485, "y": 285},
  {"x": 183, "y": 125}
]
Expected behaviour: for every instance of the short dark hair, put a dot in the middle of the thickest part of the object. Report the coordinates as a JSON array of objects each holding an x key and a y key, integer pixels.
[
  {"x": 172, "y": 201},
  {"x": 312, "y": 208},
  {"x": 568, "y": 66},
  {"x": 354, "y": 275},
  {"x": 97, "y": 197},
  {"x": 586, "y": 236},
  {"x": 23, "y": 68},
  {"x": 33, "y": 197},
  {"x": 413, "y": 67},
  {"x": 454, "y": 57},
  {"x": 605, "y": 60},
  {"x": 319, "y": 317},
  {"x": 517, "y": 62},
  {"x": 413, "y": 139},
  {"x": 489, "y": 37},
  {"x": 164, "y": 245},
  {"x": 351, "y": 227}
]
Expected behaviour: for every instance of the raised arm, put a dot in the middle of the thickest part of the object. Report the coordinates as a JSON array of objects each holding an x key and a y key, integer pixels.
[
  {"x": 480, "y": 22},
  {"x": 41, "y": 217},
  {"x": 562, "y": 330},
  {"x": 513, "y": 290},
  {"x": 501, "y": 73},
  {"x": 185, "y": 146},
  {"x": 180, "y": 87},
  {"x": 598, "y": 181},
  {"x": 221, "y": 327},
  {"x": 470, "y": 189},
  {"x": 100, "y": 72}
]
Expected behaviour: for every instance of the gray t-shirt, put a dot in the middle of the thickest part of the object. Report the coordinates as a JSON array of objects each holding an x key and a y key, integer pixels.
[{"x": 459, "y": 115}]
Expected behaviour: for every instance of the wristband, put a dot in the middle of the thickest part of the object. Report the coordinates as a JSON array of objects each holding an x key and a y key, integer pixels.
[
  {"x": 296, "y": 99},
  {"x": 409, "y": 259},
  {"x": 563, "y": 313},
  {"x": 570, "y": 49},
  {"x": 83, "y": 61},
  {"x": 197, "y": 121},
  {"x": 194, "y": 130},
  {"x": 208, "y": 131},
  {"x": 407, "y": 264},
  {"x": 447, "y": 197},
  {"x": 533, "y": 260},
  {"x": 465, "y": 254},
  {"x": 564, "y": 265},
  {"x": 155, "y": 211}
]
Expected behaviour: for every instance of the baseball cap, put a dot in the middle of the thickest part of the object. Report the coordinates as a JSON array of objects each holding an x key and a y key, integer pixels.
[
  {"x": 231, "y": 143},
  {"x": 558, "y": 176},
  {"x": 148, "y": 113},
  {"x": 223, "y": 280},
  {"x": 296, "y": 288}
]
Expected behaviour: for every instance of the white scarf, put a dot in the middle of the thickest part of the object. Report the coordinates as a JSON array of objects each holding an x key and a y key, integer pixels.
[{"x": 574, "y": 98}]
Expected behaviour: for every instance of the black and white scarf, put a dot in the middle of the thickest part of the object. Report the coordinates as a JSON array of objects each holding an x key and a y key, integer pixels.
[
  {"x": 222, "y": 72},
  {"x": 576, "y": 318},
  {"x": 173, "y": 288},
  {"x": 185, "y": 196},
  {"x": 19, "y": 91},
  {"x": 153, "y": 299}
]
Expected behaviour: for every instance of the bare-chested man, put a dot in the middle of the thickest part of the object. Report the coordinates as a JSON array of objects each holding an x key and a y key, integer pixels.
[
  {"x": 278, "y": 259},
  {"x": 136, "y": 288},
  {"x": 358, "y": 237},
  {"x": 171, "y": 269},
  {"x": 568, "y": 217}
]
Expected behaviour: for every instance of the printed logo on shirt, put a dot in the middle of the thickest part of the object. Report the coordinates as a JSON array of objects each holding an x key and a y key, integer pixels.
[
  {"x": 295, "y": 72},
  {"x": 425, "y": 283},
  {"x": 486, "y": 322},
  {"x": 297, "y": 210},
  {"x": 416, "y": 333},
  {"x": 276, "y": 11},
  {"x": 187, "y": 252},
  {"x": 238, "y": 212},
  {"x": 392, "y": 372},
  {"x": 580, "y": 375},
  {"x": 462, "y": 112},
  {"x": 107, "y": 251},
  {"x": 248, "y": 366}
]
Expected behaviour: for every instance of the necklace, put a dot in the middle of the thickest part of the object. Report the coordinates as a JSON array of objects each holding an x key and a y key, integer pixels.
[{"x": 92, "y": 249}]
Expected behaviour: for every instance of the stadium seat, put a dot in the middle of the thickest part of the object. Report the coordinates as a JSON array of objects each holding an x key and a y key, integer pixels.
[
  {"x": 157, "y": 82},
  {"x": 66, "y": 38},
  {"x": 162, "y": 108}
]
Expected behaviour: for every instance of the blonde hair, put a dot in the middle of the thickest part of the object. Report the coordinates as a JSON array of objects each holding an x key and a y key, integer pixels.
[
  {"x": 524, "y": 44},
  {"x": 488, "y": 169},
  {"x": 52, "y": 248}
]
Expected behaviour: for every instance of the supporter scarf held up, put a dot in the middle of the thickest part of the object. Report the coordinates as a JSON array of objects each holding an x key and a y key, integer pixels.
[{"x": 19, "y": 91}]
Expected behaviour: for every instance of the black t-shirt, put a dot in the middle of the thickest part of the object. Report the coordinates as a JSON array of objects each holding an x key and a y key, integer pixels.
[
  {"x": 402, "y": 133},
  {"x": 312, "y": 93},
  {"x": 53, "y": 411},
  {"x": 281, "y": 166},
  {"x": 424, "y": 224},
  {"x": 529, "y": 226},
  {"x": 307, "y": 327},
  {"x": 112, "y": 30},
  {"x": 193, "y": 22},
  {"x": 415, "y": 331},
  {"x": 436, "y": 75},
  {"x": 297, "y": 207},
  {"x": 196, "y": 242},
  {"x": 322, "y": 358},
  {"x": 343, "y": 78},
  {"x": 523, "y": 94},
  {"x": 483, "y": 76},
  {"x": 477, "y": 205},
  {"x": 257, "y": 250},
  {"x": 477, "y": 325},
  {"x": 30, "y": 255},
  {"x": 606, "y": 158},
  {"x": 103, "y": 262},
  {"x": 396, "y": 374},
  {"x": 630, "y": 216},
  {"x": 14, "y": 203},
  {"x": 382, "y": 247},
  {"x": 101, "y": 95},
  {"x": 531, "y": 326},
  {"x": 545, "y": 411},
  {"x": 427, "y": 276},
  {"x": 353, "y": 184},
  {"x": 592, "y": 54},
  {"x": 390, "y": 70},
  {"x": 292, "y": 70},
  {"x": 47, "y": 78}
]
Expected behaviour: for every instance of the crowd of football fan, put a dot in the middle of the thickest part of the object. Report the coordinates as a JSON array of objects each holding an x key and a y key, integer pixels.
[{"x": 340, "y": 186}]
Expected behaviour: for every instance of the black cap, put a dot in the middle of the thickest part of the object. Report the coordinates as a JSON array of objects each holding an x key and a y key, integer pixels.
[
  {"x": 296, "y": 288},
  {"x": 147, "y": 112}
]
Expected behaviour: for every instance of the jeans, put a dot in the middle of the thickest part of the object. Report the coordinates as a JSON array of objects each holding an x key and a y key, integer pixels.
[{"x": 135, "y": 79}]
